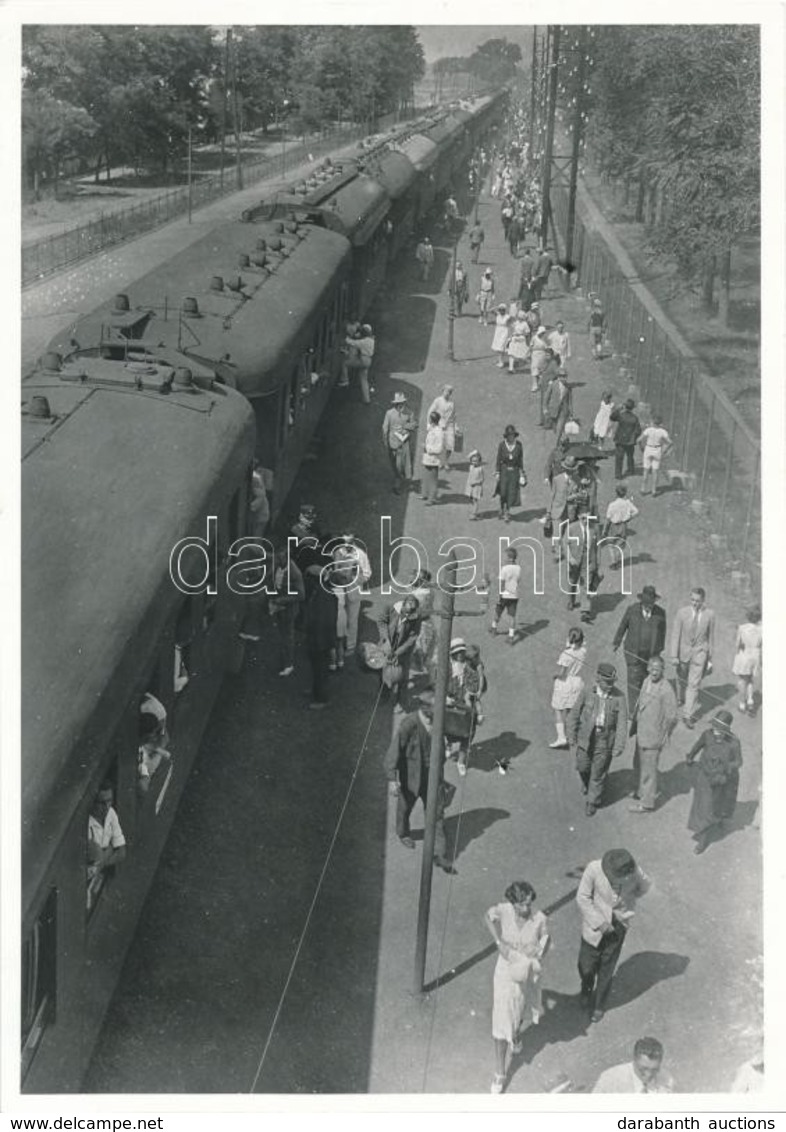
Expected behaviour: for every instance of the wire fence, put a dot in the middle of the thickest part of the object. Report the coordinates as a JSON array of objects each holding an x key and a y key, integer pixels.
[
  {"x": 53, "y": 253},
  {"x": 716, "y": 456}
]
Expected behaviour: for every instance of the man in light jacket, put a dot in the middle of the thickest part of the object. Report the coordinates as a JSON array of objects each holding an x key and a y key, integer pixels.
[
  {"x": 692, "y": 647},
  {"x": 606, "y": 898},
  {"x": 597, "y": 732},
  {"x": 654, "y": 718}
]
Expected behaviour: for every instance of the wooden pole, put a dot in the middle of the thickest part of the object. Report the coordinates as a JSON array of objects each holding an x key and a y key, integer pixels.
[
  {"x": 236, "y": 114},
  {"x": 578, "y": 130},
  {"x": 436, "y": 760}
]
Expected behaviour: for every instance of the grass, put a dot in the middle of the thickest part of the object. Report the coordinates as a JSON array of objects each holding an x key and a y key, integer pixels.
[{"x": 730, "y": 354}]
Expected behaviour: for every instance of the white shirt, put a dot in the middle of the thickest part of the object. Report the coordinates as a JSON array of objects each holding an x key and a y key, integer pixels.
[
  {"x": 620, "y": 510},
  {"x": 108, "y": 834},
  {"x": 624, "y": 1079},
  {"x": 560, "y": 343},
  {"x": 655, "y": 437},
  {"x": 509, "y": 581}
]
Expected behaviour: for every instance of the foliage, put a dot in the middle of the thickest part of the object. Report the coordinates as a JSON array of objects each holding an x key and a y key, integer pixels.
[
  {"x": 495, "y": 60},
  {"x": 678, "y": 107}
]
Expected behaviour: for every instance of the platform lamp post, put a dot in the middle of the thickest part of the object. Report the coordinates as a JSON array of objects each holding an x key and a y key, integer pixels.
[{"x": 444, "y": 614}]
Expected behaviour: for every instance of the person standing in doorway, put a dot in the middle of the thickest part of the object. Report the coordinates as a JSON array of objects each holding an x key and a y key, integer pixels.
[
  {"x": 692, "y": 649},
  {"x": 607, "y": 895}
]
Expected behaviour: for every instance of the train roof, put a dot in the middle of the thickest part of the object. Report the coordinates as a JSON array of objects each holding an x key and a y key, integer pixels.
[
  {"x": 395, "y": 172},
  {"x": 244, "y": 322},
  {"x": 422, "y": 151},
  {"x": 445, "y": 129},
  {"x": 112, "y": 476}
]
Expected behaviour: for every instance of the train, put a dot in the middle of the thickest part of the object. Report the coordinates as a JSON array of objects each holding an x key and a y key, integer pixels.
[{"x": 140, "y": 422}]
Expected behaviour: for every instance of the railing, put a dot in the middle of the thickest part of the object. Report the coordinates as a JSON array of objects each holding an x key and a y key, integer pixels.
[
  {"x": 53, "y": 253},
  {"x": 716, "y": 454}
]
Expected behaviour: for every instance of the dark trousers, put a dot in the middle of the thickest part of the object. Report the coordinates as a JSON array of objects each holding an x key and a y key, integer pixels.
[
  {"x": 404, "y": 807},
  {"x": 637, "y": 674},
  {"x": 592, "y": 763},
  {"x": 319, "y": 660},
  {"x": 621, "y": 452},
  {"x": 597, "y": 966}
]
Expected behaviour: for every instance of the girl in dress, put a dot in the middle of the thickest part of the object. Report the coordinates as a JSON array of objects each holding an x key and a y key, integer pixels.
[
  {"x": 445, "y": 406},
  {"x": 522, "y": 939},
  {"x": 747, "y": 658},
  {"x": 475, "y": 478},
  {"x": 518, "y": 346},
  {"x": 501, "y": 334},
  {"x": 568, "y": 684}
]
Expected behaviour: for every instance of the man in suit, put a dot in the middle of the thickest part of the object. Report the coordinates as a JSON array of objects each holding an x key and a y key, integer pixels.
[
  {"x": 643, "y": 628},
  {"x": 692, "y": 648},
  {"x": 606, "y": 898},
  {"x": 399, "y": 626},
  {"x": 406, "y": 765},
  {"x": 597, "y": 731}
]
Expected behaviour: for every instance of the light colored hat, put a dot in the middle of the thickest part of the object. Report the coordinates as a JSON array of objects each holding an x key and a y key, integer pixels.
[
  {"x": 458, "y": 644},
  {"x": 399, "y": 398}
]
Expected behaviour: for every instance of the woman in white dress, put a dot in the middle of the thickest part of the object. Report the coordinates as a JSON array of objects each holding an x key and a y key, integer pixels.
[
  {"x": 501, "y": 334},
  {"x": 446, "y": 407},
  {"x": 747, "y": 658},
  {"x": 568, "y": 684},
  {"x": 522, "y": 939},
  {"x": 518, "y": 347}
]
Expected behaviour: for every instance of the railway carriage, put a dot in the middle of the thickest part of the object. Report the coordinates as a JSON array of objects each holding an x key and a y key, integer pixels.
[{"x": 106, "y": 494}]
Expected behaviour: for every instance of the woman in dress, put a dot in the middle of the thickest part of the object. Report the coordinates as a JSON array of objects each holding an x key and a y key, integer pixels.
[
  {"x": 717, "y": 778},
  {"x": 445, "y": 406},
  {"x": 568, "y": 684},
  {"x": 501, "y": 334},
  {"x": 518, "y": 346},
  {"x": 509, "y": 473},
  {"x": 747, "y": 658},
  {"x": 522, "y": 939}
]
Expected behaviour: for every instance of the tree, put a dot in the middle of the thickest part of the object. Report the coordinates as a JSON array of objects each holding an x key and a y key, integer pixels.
[
  {"x": 52, "y": 130},
  {"x": 495, "y": 60}
]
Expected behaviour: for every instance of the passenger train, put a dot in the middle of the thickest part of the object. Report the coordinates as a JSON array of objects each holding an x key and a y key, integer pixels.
[{"x": 140, "y": 421}]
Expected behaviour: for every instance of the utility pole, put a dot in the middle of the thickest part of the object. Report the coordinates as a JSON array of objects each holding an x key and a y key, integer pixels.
[
  {"x": 436, "y": 760},
  {"x": 545, "y": 208},
  {"x": 533, "y": 91},
  {"x": 578, "y": 132},
  {"x": 224, "y": 84},
  {"x": 190, "y": 182},
  {"x": 452, "y": 289},
  {"x": 235, "y": 112}
]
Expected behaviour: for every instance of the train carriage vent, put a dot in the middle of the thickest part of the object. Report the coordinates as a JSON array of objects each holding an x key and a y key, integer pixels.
[{"x": 190, "y": 308}]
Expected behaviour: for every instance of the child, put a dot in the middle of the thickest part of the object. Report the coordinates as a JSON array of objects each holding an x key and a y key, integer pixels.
[
  {"x": 602, "y": 422},
  {"x": 618, "y": 514},
  {"x": 508, "y": 601},
  {"x": 475, "y": 478}
]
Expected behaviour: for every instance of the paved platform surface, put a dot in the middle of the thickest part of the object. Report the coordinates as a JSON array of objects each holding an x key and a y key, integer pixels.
[{"x": 275, "y": 953}]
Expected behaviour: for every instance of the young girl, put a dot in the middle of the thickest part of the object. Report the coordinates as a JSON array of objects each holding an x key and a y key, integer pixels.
[
  {"x": 747, "y": 658},
  {"x": 475, "y": 478},
  {"x": 518, "y": 346},
  {"x": 568, "y": 684}
]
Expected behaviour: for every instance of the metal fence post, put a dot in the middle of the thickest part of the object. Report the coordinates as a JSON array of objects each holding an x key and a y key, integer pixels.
[
  {"x": 707, "y": 440},
  {"x": 688, "y": 417},
  {"x": 727, "y": 477}
]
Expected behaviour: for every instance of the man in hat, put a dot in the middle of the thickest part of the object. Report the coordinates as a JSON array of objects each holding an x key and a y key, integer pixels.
[
  {"x": 397, "y": 428},
  {"x": 597, "y": 730},
  {"x": 424, "y": 254},
  {"x": 406, "y": 764},
  {"x": 458, "y": 718},
  {"x": 643, "y": 629},
  {"x": 557, "y": 403},
  {"x": 692, "y": 648},
  {"x": 399, "y": 625},
  {"x": 606, "y": 897},
  {"x": 476, "y": 239},
  {"x": 653, "y": 718},
  {"x": 561, "y": 468},
  {"x": 628, "y": 432},
  {"x": 642, "y": 1075}
]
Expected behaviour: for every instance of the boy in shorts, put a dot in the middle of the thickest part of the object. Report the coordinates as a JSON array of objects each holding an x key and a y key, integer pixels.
[
  {"x": 508, "y": 601},
  {"x": 656, "y": 443}
]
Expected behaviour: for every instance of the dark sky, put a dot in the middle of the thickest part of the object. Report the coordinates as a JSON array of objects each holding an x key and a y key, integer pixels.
[{"x": 453, "y": 39}]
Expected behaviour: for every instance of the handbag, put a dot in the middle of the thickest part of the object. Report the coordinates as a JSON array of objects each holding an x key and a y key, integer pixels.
[
  {"x": 458, "y": 721},
  {"x": 392, "y": 674},
  {"x": 522, "y": 479}
]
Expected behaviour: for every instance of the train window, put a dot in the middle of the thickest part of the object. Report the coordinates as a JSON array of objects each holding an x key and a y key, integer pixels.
[
  {"x": 106, "y": 845},
  {"x": 39, "y": 975},
  {"x": 294, "y": 380}
]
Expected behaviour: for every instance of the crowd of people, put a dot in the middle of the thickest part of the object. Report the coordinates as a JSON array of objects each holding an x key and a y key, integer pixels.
[{"x": 318, "y": 593}]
